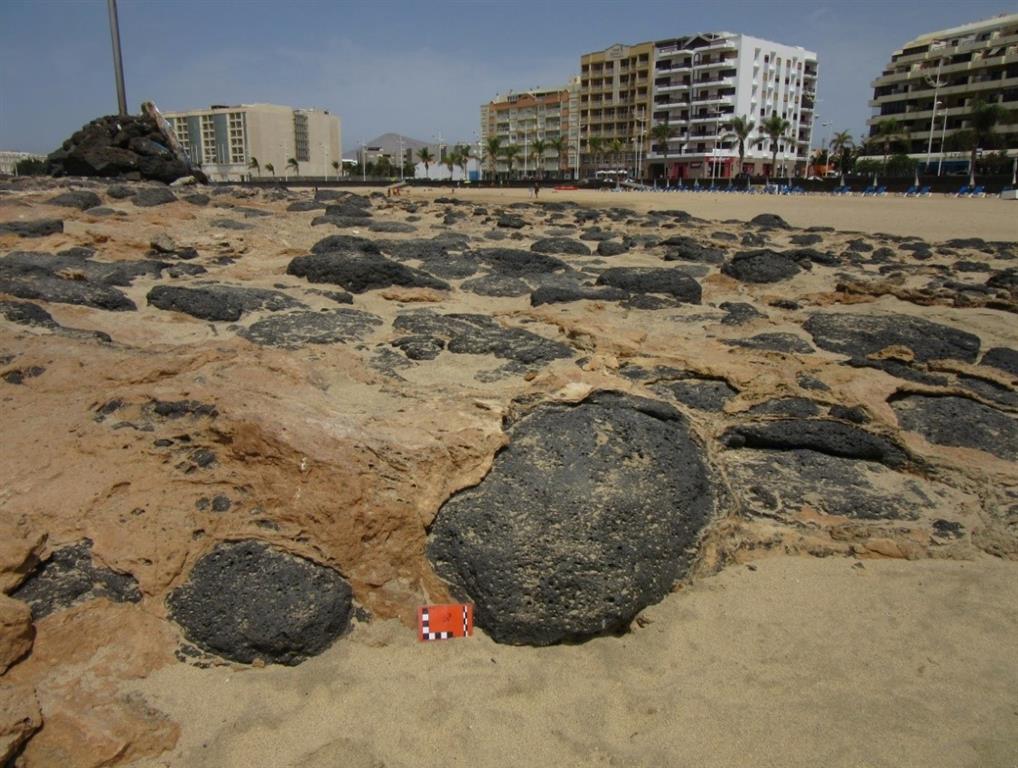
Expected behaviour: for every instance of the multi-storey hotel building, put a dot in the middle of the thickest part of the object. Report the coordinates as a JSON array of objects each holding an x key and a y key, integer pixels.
[
  {"x": 703, "y": 81},
  {"x": 224, "y": 140},
  {"x": 615, "y": 98},
  {"x": 932, "y": 82},
  {"x": 523, "y": 117}
]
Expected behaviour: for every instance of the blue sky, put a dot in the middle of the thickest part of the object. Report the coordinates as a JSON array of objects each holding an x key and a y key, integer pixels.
[{"x": 419, "y": 68}]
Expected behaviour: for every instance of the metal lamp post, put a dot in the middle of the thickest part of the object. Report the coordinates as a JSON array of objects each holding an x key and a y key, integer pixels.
[
  {"x": 118, "y": 62},
  {"x": 929, "y": 144},
  {"x": 936, "y": 83},
  {"x": 943, "y": 134}
]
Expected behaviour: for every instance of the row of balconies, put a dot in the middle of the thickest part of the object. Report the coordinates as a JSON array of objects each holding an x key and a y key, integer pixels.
[
  {"x": 671, "y": 50},
  {"x": 927, "y": 91},
  {"x": 917, "y": 71},
  {"x": 998, "y": 41}
]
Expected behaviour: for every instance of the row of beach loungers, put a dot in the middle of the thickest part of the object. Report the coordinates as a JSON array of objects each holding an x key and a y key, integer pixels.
[{"x": 775, "y": 189}]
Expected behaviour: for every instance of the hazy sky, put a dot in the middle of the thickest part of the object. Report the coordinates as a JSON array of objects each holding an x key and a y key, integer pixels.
[{"x": 416, "y": 67}]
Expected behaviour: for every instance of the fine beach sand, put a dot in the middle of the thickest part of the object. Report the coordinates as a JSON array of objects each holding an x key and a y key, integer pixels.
[
  {"x": 802, "y": 662},
  {"x": 938, "y": 217}
]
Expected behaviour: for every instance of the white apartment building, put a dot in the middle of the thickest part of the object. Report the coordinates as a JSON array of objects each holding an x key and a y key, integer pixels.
[
  {"x": 225, "y": 140},
  {"x": 542, "y": 114},
  {"x": 702, "y": 81}
]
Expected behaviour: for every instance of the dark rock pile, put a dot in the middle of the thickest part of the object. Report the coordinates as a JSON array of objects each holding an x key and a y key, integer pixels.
[{"x": 124, "y": 147}]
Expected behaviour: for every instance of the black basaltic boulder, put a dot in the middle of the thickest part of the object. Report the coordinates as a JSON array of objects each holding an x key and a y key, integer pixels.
[
  {"x": 70, "y": 577},
  {"x": 224, "y": 303},
  {"x": 761, "y": 266},
  {"x": 591, "y": 513},
  {"x": 961, "y": 422},
  {"x": 246, "y": 600},
  {"x": 358, "y": 272},
  {"x": 35, "y": 228},
  {"x": 81, "y": 199},
  {"x": 672, "y": 282},
  {"x": 564, "y": 245},
  {"x": 862, "y": 335}
]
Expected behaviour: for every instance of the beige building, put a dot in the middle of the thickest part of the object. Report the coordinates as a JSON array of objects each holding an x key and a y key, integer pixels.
[
  {"x": 542, "y": 114},
  {"x": 226, "y": 140},
  {"x": 615, "y": 98},
  {"x": 932, "y": 82}
]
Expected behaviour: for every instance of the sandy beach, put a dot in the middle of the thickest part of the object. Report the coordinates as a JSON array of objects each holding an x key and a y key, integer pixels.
[
  {"x": 938, "y": 217},
  {"x": 798, "y": 662}
]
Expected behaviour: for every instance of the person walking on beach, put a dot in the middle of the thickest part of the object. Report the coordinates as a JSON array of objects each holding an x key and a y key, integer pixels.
[{"x": 537, "y": 188}]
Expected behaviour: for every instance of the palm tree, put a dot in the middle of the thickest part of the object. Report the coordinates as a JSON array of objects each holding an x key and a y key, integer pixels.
[
  {"x": 537, "y": 151},
  {"x": 335, "y": 166},
  {"x": 662, "y": 133},
  {"x": 982, "y": 120},
  {"x": 615, "y": 147},
  {"x": 596, "y": 146},
  {"x": 451, "y": 160},
  {"x": 775, "y": 128},
  {"x": 560, "y": 147},
  {"x": 425, "y": 156},
  {"x": 741, "y": 128},
  {"x": 463, "y": 155},
  {"x": 842, "y": 145},
  {"x": 510, "y": 154},
  {"x": 888, "y": 131},
  {"x": 492, "y": 149},
  {"x": 254, "y": 165},
  {"x": 270, "y": 168},
  {"x": 292, "y": 163}
]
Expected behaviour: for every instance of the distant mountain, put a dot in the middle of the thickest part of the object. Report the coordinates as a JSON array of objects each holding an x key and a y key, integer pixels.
[{"x": 389, "y": 144}]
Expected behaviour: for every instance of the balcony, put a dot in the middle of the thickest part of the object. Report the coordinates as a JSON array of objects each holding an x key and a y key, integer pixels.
[
  {"x": 672, "y": 87},
  {"x": 713, "y": 99},
  {"x": 721, "y": 81}
]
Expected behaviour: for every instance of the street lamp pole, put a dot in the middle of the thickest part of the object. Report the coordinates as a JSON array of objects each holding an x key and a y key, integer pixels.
[
  {"x": 118, "y": 62},
  {"x": 929, "y": 144},
  {"x": 936, "y": 91},
  {"x": 943, "y": 134}
]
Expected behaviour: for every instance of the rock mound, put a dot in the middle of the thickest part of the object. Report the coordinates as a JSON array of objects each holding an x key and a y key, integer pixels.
[
  {"x": 590, "y": 514},
  {"x": 246, "y": 600},
  {"x": 114, "y": 146}
]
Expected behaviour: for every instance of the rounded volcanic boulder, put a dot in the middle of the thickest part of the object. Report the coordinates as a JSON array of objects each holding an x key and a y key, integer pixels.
[
  {"x": 246, "y": 600},
  {"x": 860, "y": 336},
  {"x": 672, "y": 282},
  {"x": 761, "y": 266},
  {"x": 591, "y": 513}
]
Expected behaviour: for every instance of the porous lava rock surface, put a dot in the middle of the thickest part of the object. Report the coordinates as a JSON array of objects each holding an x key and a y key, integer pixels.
[
  {"x": 591, "y": 513},
  {"x": 246, "y": 600}
]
